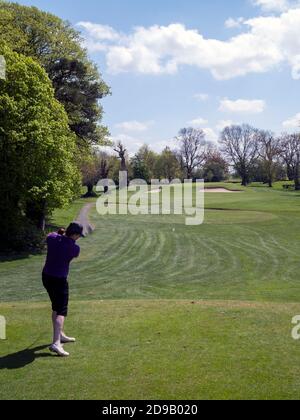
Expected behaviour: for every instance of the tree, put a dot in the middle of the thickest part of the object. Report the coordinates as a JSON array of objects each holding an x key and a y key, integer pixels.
[
  {"x": 193, "y": 149},
  {"x": 114, "y": 172},
  {"x": 168, "y": 166},
  {"x": 94, "y": 168},
  {"x": 37, "y": 149},
  {"x": 121, "y": 151},
  {"x": 79, "y": 88},
  {"x": 140, "y": 169},
  {"x": 269, "y": 150},
  {"x": 105, "y": 167},
  {"x": 90, "y": 174},
  {"x": 144, "y": 164},
  {"x": 57, "y": 47},
  {"x": 259, "y": 171},
  {"x": 215, "y": 167},
  {"x": 122, "y": 155},
  {"x": 240, "y": 145},
  {"x": 290, "y": 153}
]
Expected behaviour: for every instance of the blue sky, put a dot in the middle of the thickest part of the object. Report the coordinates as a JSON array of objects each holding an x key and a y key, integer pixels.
[{"x": 175, "y": 63}]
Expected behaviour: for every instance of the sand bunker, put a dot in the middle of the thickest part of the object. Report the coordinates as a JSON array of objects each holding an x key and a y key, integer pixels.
[
  {"x": 219, "y": 190},
  {"x": 154, "y": 191},
  {"x": 206, "y": 190}
]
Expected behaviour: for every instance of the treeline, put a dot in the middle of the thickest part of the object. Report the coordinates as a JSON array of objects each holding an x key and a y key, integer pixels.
[
  {"x": 50, "y": 120},
  {"x": 243, "y": 152},
  {"x": 51, "y": 132}
]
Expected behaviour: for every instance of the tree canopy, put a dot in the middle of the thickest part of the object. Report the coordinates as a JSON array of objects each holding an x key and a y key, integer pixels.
[
  {"x": 37, "y": 149},
  {"x": 56, "y": 45}
]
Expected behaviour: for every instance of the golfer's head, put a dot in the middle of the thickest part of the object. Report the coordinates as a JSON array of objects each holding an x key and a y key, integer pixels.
[{"x": 75, "y": 231}]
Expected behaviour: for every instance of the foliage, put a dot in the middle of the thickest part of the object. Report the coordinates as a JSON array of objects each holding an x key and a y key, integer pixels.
[
  {"x": 144, "y": 164},
  {"x": 95, "y": 167},
  {"x": 168, "y": 166},
  {"x": 57, "y": 47},
  {"x": 37, "y": 169},
  {"x": 215, "y": 168}
]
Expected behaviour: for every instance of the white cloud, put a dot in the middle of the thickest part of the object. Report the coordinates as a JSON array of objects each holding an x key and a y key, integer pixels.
[
  {"x": 293, "y": 122},
  {"x": 201, "y": 97},
  {"x": 100, "y": 38},
  {"x": 265, "y": 43},
  {"x": 132, "y": 144},
  {"x": 100, "y": 32},
  {"x": 210, "y": 134},
  {"x": 223, "y": 124},
  {"x": 242, "y": 106},
  {"x": 160, "y": 145},
  {"x": 197, "y": 122},
  {"x": 232, "y": 23},
  {"x": 274, "y": 5},
  {"x": 134, "y": 126}
]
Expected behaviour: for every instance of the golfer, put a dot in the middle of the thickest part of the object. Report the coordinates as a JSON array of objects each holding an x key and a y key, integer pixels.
[{"x": 62, "y": 249}]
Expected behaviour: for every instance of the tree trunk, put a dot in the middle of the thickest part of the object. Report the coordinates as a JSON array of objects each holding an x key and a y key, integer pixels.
[
  {"x": 297, "y": 181},
  {"x": 245, "y": 181},
  {"x": 189, "y": 173},
  {"x": 123, "y": 165},
  {"x": 270, "y": 174},
  {"x": 243, "y": 173},
  {"x": 90, "y": 191},
  {"x": 42, "y": 222},
  {"x": 36, "y": 213},
  {"x": 290, "y": 173}
]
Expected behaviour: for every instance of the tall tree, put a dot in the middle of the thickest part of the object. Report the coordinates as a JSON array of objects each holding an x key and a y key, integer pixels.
[
  {"x": 290, "y": 153},
  {"x": 168, "y": 166},
  {"x": 122, "y": 153},
  {"x": 79, "y": 88},
  {"x": 193, "y": 149},
  {"x": 94, "y": 168},
  {"x": 144, "y": 164},
  {"x": 240, "y": 145},
  {"x": 57, "y": 47},
  {"x": 90, "y": 174},
  {"x": 269, "y": 150},
  {"x": 37, "y": 150},
  {"x": 215, "y": 167}
]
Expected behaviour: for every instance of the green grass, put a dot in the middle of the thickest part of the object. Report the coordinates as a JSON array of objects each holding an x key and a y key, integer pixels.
[
  {"x": 154, "y": 350},
  {"x": 276, "y": 185},
  {"x": 132, "y": 291}
]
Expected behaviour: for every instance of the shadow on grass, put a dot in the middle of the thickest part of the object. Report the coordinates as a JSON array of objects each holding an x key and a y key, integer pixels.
[
  {"x": 19, "y": 256},
  {"x": 23, "y": 358}
]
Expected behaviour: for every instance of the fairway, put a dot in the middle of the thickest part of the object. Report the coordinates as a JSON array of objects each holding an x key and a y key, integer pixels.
[{"x": 210, "y": 306}]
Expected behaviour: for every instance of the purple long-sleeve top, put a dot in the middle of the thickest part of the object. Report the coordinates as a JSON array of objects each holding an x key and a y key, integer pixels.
[{"x": 61, "y": 251}]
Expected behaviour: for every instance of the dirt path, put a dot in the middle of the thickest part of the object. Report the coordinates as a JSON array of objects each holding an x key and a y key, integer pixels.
[{"x": 83, "y": 218}]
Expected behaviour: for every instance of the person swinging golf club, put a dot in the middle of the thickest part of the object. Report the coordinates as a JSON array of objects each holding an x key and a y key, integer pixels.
[{"x": 62, "y": 249}]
